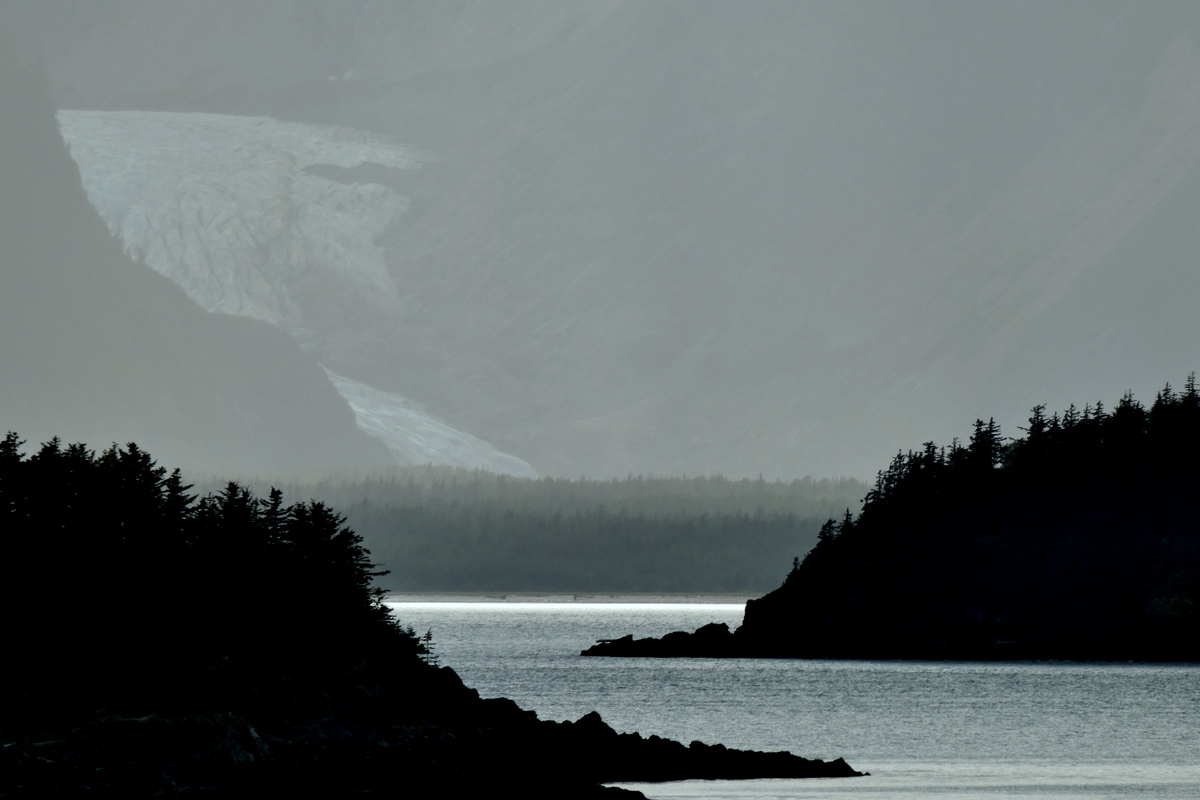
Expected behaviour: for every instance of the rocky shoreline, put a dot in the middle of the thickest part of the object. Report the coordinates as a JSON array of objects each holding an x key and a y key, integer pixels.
[
  {"x": 713, "y": 640},
  {"x": 452, "y": 743}
]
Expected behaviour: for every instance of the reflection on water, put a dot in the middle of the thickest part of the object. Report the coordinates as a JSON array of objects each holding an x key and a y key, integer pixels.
[
  {"x": 923, "y": 729},
  {"x": 952, "y": 782}
]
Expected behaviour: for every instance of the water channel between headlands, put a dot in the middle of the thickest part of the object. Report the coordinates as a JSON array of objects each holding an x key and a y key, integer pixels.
[{"x": 944, "y": 730}]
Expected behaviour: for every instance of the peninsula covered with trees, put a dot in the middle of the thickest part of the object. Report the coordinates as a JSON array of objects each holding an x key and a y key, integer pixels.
[
  {"x": 1079, "y": 539},
  {"x": 161, "y": 644}
]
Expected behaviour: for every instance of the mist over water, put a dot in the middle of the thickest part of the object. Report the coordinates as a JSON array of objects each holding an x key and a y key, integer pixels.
[{"x": 923, "y": 729}]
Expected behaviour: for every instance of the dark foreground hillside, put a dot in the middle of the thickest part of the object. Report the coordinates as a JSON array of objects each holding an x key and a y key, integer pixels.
[
  {"x": 149, "y": 653},
  {"x": 1078, "y": 540}
]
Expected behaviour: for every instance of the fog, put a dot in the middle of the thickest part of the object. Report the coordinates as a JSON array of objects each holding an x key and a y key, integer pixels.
[{"x": 562, "y": 238}]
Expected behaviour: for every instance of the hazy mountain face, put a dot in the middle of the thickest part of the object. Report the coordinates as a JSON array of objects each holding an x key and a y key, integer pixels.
[
  {"x": 238, "y": 211},
  {"x": 275, "y": 221},
  {"x": 99, "y": 349},
  {"x": 705, "y": 237}
]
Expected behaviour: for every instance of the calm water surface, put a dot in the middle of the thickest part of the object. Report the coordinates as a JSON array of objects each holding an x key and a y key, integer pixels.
[{"x": 923, "y": 729}]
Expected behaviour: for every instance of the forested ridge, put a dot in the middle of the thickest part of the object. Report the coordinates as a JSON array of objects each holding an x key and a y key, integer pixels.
[
  {"x": 159, "y": 643},
  {"x": 1077, "y": 539},
  {"x": 125, "y": 587},
  {"x": 441, "y": 529}
]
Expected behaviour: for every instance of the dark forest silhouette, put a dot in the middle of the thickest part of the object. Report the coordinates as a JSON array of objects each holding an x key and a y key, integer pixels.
[
  {"x": 163, "y": 644},
  {"x": 131, "y": 588},
  {"x": 1079, "y": 539}
]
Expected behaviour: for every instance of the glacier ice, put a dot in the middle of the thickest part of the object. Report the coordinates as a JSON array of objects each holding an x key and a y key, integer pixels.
[
  {"x": 416, "y": 438},
  {"x": 225, "y": 207}
]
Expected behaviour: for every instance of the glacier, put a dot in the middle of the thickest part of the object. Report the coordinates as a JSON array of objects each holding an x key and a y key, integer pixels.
[
  {"x": 416, "y": 438},
  {"x": 236, "y": 211},
  {"x": 223, "y": 205}
]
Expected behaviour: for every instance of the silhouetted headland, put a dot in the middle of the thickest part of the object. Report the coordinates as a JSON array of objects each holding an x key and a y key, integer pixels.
[
  {"x": 1079, "y": 540},
  {"x": 147, "y": 654}
]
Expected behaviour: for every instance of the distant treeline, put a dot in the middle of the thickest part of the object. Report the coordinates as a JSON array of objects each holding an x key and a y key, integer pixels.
[
  {"x": 445, "y": 529},
  {"x": 462, "y": 548},
  {"x": 1080, "y": 539},
  {"x": 425, "y": 485}
]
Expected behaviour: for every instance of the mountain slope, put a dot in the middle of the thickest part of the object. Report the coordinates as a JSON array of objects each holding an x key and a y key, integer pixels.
[
  {"x": 99, "y": 349},
  {"x": 685, "y": 236},
  {"x": 274, "y": 221}
]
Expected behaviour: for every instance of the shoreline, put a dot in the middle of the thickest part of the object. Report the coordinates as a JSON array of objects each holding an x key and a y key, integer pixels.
[
  {"x": 716, "y": 640},
  {"x": 582, "y": 598}
]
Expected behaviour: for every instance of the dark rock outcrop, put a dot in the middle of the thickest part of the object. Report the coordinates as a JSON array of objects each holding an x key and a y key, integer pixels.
[
  {"x": 599, "y": 751},
  {"x": 444, "y": 739},
  {"x": 713, "y": 640}
]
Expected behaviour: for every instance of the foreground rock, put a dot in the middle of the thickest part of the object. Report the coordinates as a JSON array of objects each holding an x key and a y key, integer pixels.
[
  {"x": 597, "y": 751},
  {"x": 452, "y": 743}
]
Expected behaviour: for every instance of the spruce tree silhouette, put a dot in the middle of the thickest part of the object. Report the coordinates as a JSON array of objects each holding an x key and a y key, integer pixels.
[{"x": 120, "y": 584}]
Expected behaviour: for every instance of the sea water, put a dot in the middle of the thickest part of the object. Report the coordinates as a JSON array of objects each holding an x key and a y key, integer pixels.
[{"x": 944, "y": 730}]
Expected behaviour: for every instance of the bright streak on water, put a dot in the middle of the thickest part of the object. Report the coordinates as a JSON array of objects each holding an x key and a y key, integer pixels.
[{"x": 944, "y": 730}]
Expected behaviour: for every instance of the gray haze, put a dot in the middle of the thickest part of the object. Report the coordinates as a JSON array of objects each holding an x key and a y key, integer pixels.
[
  {"x": 601, "y": 237},
  {"x": 97, "y": 348}
]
